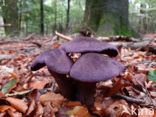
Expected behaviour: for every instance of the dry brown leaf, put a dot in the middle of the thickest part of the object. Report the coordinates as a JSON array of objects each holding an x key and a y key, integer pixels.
[
  {"x": 49, "y": 111},
  {"x": 117, "y": 86},
  {"x": 6, "y": 107},
  {"x": 153, "y": 94},
  {"x": 1, "y": 94},
  {"x": 72, "y": 104},
  {"x": 55, "y": 99},
  {"x": 39, "y": 111},
  {"x": 3, "y": 114},
  {"x": 145, "y": 112},
  {"x": 14, "y": 76},
  {"x": 56, "y": 45},
  {"x": 79, "y": 111},
  {"x": 31, "y": 107},
  {"x": 14, "y": 114},
  {"x": 154, "y": 112},
  {"x": 117, "y": 109},
  {"x": 139, "y": 79},
  {"x": 18, "y": 104},
  {"x": 37, "y": 84}
]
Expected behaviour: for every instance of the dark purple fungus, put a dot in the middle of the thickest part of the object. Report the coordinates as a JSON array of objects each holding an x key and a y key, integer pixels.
[
  {"x": 39, "y": 61},
  {"x": 94, "y": 67},
  {"x": 59, "y": 65},
  {"x": 89, "y": 69},
  {"x": 87, "y": 44}
]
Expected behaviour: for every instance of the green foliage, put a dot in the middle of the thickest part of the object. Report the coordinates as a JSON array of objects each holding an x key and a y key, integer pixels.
[
  {"x": 29, "y": 16},
  {"x": 142, "y": 15},
  {"x": 152, "y": 75},
  {"x": 8, "y": 85},
  {"x": 29, "y": 12}
]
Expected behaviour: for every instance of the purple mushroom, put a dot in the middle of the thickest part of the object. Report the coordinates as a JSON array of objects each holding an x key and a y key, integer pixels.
[
  {"x": 89, "y": 69},
  {"x": 88, "y": 44},
  {"x": 59, "y": 65}
]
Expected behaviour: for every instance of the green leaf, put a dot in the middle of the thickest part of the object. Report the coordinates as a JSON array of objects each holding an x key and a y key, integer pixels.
[
  {"x": 8, "y": 85},
  {"x": 152, "y": 75}
]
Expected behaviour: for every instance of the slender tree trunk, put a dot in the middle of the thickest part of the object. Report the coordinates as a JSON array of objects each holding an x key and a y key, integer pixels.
[
  {"x": 11, "y": 17},
  {"x": 55, "y": 24},
  {"x": 42, "y": 16},
  {"x": 68, "y": 13},
  {"x": 20, "y": 13}
]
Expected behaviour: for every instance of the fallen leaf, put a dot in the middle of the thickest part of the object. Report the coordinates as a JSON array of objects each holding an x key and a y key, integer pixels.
[
  {"x": 14, "y": 114},
  {"x": 1, "y": 94},
  {"x": 56, "y": 45},
  {"x": 56, "y": 99},
  {"x": 117, "y": 86},
  {"x": 31, "y": 107},
  {"x": 14, "y": 75},
  {"x": 72, "y": 104},
  {"x": 37, "y": 84},
  {"x": 18, "y": 104},
  {"x": 117, "y": 109},
  {"x": 154, "y": 112},
  {"x": 49, "y": 111},
  {"x": 139, "y": 79},
  {"x": 8, "y": 86},
  {"x": 145, "y": 112},
  {"x": 6, "y": 107},
  {"x": 79, "y": 111},
  {"x": 39, "y": 111}
]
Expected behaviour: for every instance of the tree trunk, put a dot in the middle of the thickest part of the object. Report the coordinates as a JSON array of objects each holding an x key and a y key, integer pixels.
[
  {"x": 11, "y": 17},
  {"x": 106, "y": 17},
  {"x": 42, "y": 16},
  {"x": 55, "y": 24},
  {"x": 68, "y": 11}
]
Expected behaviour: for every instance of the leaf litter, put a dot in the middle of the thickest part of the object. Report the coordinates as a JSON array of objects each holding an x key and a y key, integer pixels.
[{"x": 24, "y": 93}]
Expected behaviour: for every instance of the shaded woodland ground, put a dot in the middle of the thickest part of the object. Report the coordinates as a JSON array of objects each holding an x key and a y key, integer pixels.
[{"x": 27, "y": 93}]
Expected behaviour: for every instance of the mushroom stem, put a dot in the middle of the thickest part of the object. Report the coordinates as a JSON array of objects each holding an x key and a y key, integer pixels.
[
  {"x": 65, "y": 85},
  {"x": 85, "y": 93},
  {"x": 75, "y": 90}
]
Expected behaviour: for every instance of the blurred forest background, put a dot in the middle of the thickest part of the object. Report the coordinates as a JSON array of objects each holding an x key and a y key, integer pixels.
[{"x": 102, "y": 17}]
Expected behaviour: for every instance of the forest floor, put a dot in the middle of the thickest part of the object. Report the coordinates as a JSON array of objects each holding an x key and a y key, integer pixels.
[{"x": 27, "y": 93}]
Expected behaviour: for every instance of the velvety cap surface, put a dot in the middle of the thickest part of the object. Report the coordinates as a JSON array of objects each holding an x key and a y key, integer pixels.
[
  {"x": 94, "y": 67},
  {"x": 56, "y": 60},
  {"x": 39, "y": 61},
  {"x": 87, "y": 44}
]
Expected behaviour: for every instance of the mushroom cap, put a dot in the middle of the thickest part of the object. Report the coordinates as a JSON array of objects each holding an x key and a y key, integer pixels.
[
  {"x": 39, "y": 61},
  {"x": 56, "y": 60},
  {"x": 94, "y": 67},
  {"x": 87, "y": 44}
]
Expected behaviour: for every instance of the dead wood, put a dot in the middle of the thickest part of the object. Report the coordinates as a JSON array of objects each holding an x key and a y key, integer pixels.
[{"x": 63, "y": 36}]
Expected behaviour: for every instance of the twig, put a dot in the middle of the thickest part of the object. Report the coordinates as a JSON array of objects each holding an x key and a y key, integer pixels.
[
  {"x": 63, "y": 36},
  {"x": 130, "y": 99}
]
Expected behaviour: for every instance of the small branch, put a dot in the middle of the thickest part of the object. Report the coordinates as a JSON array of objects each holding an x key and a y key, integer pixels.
[
  {"x": 63, "y": 36},
  {"x": 130, "y": 99},
  {"x": 134, "y": 100}
]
